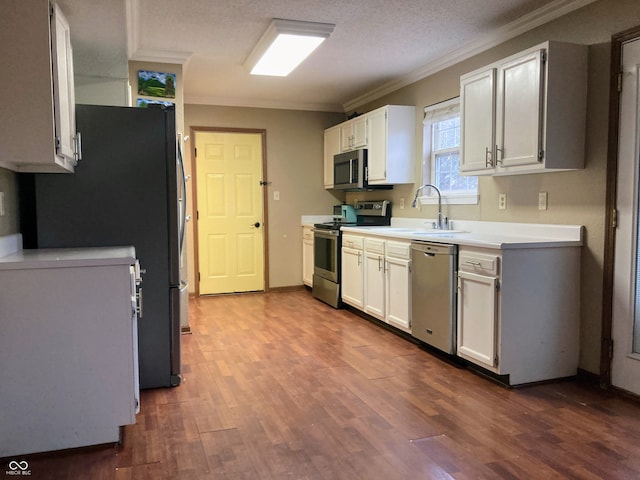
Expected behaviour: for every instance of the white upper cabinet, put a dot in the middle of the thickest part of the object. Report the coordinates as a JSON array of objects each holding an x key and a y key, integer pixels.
[
  {"x": 353, "y": 133},
  {"x": 331, "y": 147},
  {"x": 526, "y": 113},
  {"x": 478, "y": 116},
  {"x": 391, "y": 146},
  {"x": 389, "y": 135},
  {"x": 38, "y": 114}
]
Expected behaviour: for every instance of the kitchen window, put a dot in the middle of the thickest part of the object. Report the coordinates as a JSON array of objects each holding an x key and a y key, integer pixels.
[{"x": 441, "y": 159}]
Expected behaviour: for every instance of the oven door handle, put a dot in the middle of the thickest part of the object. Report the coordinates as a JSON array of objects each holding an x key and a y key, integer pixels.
[{"x": 326, "y": 233}]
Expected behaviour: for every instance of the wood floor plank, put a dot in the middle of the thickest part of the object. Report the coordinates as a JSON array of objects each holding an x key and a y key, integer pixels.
[{"x": 280, "y": 385}]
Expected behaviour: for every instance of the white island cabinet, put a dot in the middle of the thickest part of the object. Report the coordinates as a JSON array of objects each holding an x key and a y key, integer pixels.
[
  {"x": 38, "y": 131},
  {"x": 68, "y": 348}
]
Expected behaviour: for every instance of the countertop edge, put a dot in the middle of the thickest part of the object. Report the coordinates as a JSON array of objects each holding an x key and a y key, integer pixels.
[
  {"x": 471, "y": 239},
  {"x": 68, "y": 257}
]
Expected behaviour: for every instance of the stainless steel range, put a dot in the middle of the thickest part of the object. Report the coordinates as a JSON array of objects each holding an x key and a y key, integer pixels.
[{"x": 327, "y": 246}]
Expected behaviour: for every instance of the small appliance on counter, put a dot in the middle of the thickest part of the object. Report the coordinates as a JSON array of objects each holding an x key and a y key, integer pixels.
[
  {"x": 345, "y": 213},
  {"x": 327, "y": 244}
]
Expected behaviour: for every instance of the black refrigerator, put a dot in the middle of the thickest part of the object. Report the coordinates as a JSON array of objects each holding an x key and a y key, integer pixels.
[{"x": 128, "y": 189}]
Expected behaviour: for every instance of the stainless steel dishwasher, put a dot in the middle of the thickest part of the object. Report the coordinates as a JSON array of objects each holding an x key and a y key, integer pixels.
[{"x": 433, "y": 294}]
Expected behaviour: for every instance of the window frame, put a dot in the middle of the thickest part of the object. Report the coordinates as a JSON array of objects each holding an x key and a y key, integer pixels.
[{"x": 433, "y": 114}]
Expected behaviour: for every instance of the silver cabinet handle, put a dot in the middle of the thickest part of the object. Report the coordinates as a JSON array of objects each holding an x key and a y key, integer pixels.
[
  {"x": 488, "y": 160},
  {"x": 499, "y": 160},
  {"x": 139, "y": 298},
  {"x": 473, "y": 264}
]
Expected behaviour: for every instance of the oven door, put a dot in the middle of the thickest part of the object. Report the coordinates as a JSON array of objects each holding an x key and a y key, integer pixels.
[{"x": 326, "y": 254}]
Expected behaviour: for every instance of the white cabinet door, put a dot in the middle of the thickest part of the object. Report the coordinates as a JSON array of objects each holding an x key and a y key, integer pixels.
[
  {"x": 307, "y": 262},
  {"x": 331, "y": 148},
  {"x": 374, "y": 278},
  {"x": 519, "y": 113},
  {"x": 398, "y": 292},
  {"x": 353, "y": 133},
  {"x": 64, "y": 91},
  {"x": 477, "y": 318},
  {"x": 477, "y": 111},
  {"x": 352, "y": 277},
  {"x": 377, "y": 149},
  {"x": 391, "y": 145}
]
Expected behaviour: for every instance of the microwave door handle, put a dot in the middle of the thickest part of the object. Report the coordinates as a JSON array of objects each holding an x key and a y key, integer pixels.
[{"x": 350, "y": 171}]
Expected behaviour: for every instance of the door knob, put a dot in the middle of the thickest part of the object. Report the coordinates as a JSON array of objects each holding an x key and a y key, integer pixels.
[{"x": 257, "y": 225}]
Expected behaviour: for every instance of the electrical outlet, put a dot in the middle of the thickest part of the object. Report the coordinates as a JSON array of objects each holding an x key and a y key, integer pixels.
[
  {"x": 401, "y": 203},
  {"x": 542, "y": 200},
  {"x": 502, "y": 201}
]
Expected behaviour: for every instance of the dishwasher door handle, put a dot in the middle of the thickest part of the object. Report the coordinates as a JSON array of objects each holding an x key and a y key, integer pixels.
[{"x": 428, "y": 254}]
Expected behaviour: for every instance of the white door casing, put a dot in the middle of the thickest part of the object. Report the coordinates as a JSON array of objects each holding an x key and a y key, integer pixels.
[{"x": 625, "y": 364}]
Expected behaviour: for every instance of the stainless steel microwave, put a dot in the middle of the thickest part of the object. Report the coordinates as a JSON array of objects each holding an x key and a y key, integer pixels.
[{"x": 350, "y": 172}]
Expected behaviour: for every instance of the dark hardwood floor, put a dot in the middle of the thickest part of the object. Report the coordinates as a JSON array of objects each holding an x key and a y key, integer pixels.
[{"x": 281, "y": 386}]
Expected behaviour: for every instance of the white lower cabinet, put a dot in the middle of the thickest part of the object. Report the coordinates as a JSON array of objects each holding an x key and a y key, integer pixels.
[
  {"x": 68, "y": 348},
  {"x": 374, "y": 277},
  {"x": 307, "y": 256},
  {"x": 518, "y": 311},
  {"x": 352, "y": 282},
  {"x": 478, "y": 308},
  {"x": 398, "y": 284}
]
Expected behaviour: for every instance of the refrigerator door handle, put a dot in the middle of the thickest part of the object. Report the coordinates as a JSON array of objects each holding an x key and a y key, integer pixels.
[{"x": 183, "y": 199}]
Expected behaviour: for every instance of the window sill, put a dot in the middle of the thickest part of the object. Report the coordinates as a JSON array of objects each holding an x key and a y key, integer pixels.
[{"x": 453, "y": 199}]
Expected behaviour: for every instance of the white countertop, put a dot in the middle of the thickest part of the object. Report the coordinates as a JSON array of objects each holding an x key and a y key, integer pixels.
[
  {"x": 68, "y": 257},
  {"x": 497, "y": 235}
]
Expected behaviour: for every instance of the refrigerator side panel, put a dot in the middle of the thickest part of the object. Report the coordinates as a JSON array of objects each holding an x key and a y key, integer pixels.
[{"x": 119, "y": 196}]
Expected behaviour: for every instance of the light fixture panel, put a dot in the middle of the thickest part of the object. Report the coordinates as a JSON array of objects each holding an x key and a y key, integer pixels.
[{"x": 284, "y": 45}]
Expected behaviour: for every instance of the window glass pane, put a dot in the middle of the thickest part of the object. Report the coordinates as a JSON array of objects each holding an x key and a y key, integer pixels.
[
  {"x": 447, "y": 176},
  {"x": 446, "y": 133},
  {"x": 442, "y": 141}
]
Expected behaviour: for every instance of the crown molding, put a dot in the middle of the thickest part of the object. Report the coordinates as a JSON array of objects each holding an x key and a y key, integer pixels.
[
  {"x": 525, "y": 23},
  {"x": 260, "y": 103},
  {"x": 160, "y": 56}
]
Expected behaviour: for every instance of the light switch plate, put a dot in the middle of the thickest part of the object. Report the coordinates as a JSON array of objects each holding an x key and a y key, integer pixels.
[{"x": 542, "y": 200}]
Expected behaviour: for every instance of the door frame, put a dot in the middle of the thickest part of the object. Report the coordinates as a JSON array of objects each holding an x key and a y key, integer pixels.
[
  {"x": 606, "y": 348},
  {"x": 194, "y": 195}
]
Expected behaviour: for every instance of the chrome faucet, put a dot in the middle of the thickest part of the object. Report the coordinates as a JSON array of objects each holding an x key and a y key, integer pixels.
[{"x": 440, "y": 224}]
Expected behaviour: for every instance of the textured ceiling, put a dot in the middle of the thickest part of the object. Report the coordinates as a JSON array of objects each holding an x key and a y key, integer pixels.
[{"x": 375, "y": 42}]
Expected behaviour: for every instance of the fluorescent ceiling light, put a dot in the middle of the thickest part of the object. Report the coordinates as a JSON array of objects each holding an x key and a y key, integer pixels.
[{"x": 284, "y": 45}]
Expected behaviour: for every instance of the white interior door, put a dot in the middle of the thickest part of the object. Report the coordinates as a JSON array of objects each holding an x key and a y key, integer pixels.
[{"x": 625, "y": 366}]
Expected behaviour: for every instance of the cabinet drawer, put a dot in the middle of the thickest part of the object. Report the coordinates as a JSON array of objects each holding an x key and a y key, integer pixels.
[
  {"x": 374, "y": 245},
  {"x": 478, "y": 263},
  {"x": 399, "y": 250},
  {"x": 353, "y": 241}
]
